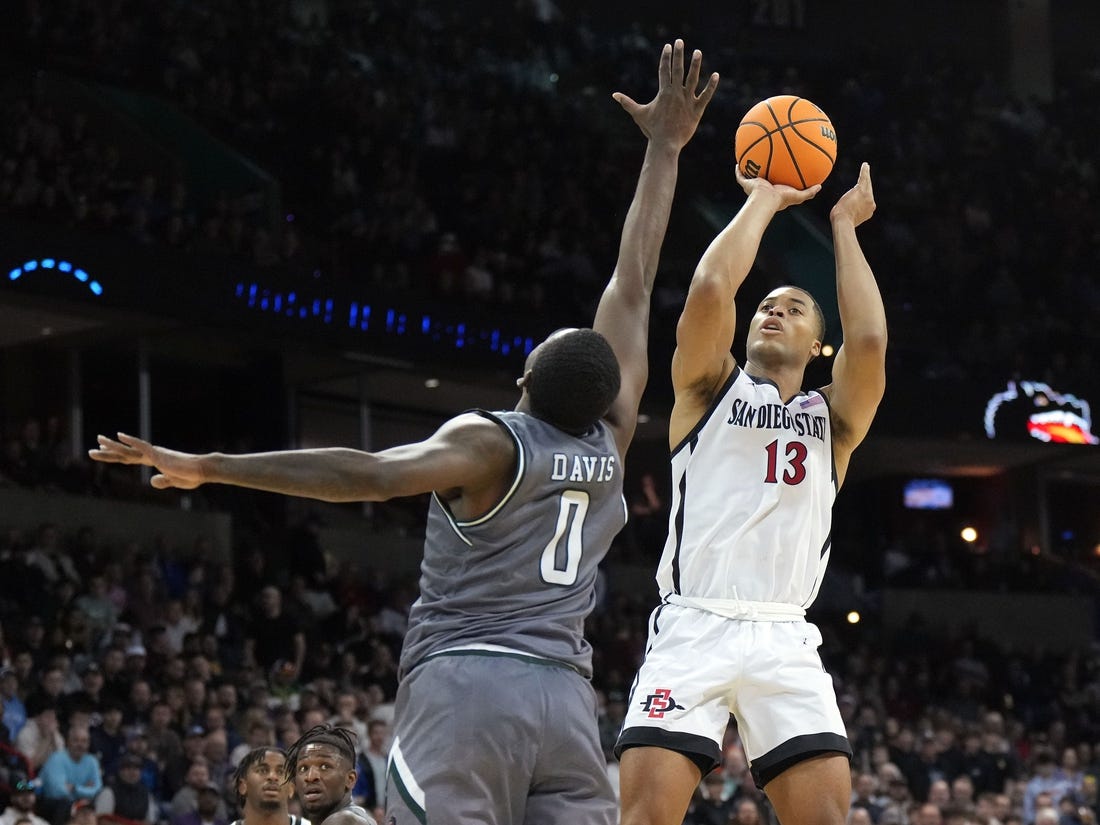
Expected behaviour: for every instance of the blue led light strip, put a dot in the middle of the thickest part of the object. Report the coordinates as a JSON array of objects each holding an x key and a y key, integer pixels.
[
  {"x": 389, "y": 321},
  {"x": 33, "y": 265}
]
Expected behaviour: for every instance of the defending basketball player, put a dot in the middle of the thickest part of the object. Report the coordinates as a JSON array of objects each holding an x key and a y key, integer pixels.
[
  {"x": 756, "y": 463},
  {"x": 495, "y": 718}
]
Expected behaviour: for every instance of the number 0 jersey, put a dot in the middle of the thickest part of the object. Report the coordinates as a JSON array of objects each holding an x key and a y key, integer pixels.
[
  {"x": 521, "y": 578},
  {"x": 753, "y": 486}
]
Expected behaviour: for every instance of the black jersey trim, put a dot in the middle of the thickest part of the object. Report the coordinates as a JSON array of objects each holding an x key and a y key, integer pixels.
[
  {"x": 832, "y": 441},
  {"x": 678, "y": 524},
  {"x": 718, "y": 396},
  {"x": 521, "y": 467},
  {"x": 799, "y": 749},
  {"x": 704, "y": 752}
]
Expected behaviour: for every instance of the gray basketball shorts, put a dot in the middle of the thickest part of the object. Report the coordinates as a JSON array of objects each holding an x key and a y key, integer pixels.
[{"x": 499, "y": 739}]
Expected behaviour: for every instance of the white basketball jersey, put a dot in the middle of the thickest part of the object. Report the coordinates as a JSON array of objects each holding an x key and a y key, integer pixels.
[{"x": 753, "y": 486}]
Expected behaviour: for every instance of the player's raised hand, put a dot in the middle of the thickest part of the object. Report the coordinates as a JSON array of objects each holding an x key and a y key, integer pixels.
[
  {"x": 858, "y": 203},
  {"x": 672, "y": 116},
  {"x": 180, "y": 470},
  {"x": 784, "y": 195}
]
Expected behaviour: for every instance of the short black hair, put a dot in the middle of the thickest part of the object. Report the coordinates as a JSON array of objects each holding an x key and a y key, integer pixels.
[
  {"x": 253, "y": 757},
  {"x": 817, "y": 313},
  {"x": 574, "y": 380},
  {"x": 341, "y": 739}
]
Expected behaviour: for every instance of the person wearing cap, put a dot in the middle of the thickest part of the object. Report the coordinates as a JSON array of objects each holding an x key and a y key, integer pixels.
[
  {"x": 14, "y": 711},
  {"x": 21, "y": 805},
  {"x": 71, "y": 774},
  {"x": 126, "y": 795}
]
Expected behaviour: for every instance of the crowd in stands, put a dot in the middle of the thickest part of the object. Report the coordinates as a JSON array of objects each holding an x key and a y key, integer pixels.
[
  {"x": 459, "y": 153},
  {"x": 463, "y": 153},
  {"x": 136, "y": 676}
]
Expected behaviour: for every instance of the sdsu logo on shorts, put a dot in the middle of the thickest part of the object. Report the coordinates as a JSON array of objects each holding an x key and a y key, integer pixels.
[{"x": 660, "y": 702}]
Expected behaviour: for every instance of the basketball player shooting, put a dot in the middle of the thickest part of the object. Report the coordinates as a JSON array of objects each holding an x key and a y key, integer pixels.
[
  {"x": 495, "y": 717},
  {"x": 756, "y": 464}
]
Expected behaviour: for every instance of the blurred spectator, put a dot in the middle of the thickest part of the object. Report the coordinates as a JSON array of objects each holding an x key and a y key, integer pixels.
[
  {"x": 89, "y": 699},
  {"x": 108, "y": 739},
  {"x": 209, "y": 808},
  {"x": 1044, "y": 780},
  {"x": 14, "y": 711},
  {"x": 373, "y": 761},
  {"x": 22, "y": 804},
  {"x": 710, "y": 805},
  {"x": 70, "y": 775},
  {"x": 747, "y": 812},
  {"x": 273, "y": 635},
  {"x": 197, "y": 784},
  {"x": 97, "y": 607},
  {"x": 41, "y": 736},
  {"x": 126, "y": 796},
  {"x": 347, "y": 716}
]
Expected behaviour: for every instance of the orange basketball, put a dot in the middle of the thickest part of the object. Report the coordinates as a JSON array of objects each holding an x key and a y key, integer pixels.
[{"x": 786, "y": 140}]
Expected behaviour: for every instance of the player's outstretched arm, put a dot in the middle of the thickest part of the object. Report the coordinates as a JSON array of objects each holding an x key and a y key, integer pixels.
[
  {"x": 859, "y": 372},
  {"x": 705, "y": 331},
  {"x": 468, "y": 452},
  {"x": 668, "y": 121}
]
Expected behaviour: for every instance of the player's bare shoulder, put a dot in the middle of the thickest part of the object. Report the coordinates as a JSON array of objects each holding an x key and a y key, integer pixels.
[{"x": 481, "y": 433}]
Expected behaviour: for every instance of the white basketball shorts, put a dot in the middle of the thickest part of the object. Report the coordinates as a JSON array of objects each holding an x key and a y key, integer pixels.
[{"x": 701, "y": 667}]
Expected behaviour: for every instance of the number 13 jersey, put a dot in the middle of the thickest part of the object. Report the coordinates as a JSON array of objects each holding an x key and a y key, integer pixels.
[
  {"x": 521, "y": 578},
  {"x": 753, "y": 486}
]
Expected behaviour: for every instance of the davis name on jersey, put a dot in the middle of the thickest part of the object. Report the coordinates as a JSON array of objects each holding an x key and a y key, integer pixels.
[{"x": 582, "y": 467}]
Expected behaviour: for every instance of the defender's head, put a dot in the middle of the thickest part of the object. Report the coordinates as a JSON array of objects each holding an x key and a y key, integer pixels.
[
  {"x": 571, "y": 379},
  {"x": 787, "y": 324}
]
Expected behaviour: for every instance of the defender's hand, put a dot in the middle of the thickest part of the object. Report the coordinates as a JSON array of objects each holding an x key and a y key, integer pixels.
[
  {"x": 672, "y": 116},
  {"x": 180, "y": 470}
]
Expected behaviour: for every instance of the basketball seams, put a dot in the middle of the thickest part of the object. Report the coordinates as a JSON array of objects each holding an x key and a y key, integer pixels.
[
  {"x": 766, "y": 136},
  {"x": 794, "y": 160},
  {"x": 816, "y": 145},
  {"x": 802, "y": 117}
]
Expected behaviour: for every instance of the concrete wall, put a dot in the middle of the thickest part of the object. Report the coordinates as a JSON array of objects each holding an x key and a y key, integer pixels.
[{"x": 114, "y": 521}]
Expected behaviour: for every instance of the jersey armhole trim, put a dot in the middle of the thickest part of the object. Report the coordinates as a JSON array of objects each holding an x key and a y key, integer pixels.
[
  {"x": 521, "y": 467},
  {"x": 832, "y": 441},
  {"x": 718, "y": 396}
]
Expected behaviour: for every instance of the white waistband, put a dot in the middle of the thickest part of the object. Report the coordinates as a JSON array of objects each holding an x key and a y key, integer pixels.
[
  {"x": 479, "y": 647},
  {"x": 742, "y": 609}
]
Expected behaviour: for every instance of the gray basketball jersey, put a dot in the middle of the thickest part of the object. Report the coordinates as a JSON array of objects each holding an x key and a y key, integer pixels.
[{"x": 521, "y": 578}]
